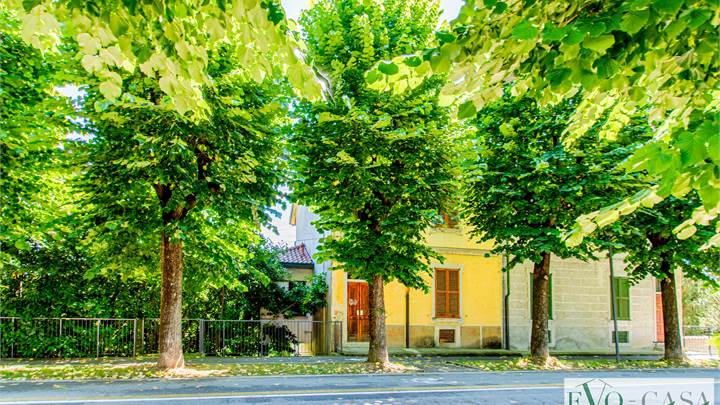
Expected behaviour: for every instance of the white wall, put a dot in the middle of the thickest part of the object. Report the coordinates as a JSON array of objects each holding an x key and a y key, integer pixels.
[
  {"x": 582, "y": 318},
  {"x": 306, "y": 233}
]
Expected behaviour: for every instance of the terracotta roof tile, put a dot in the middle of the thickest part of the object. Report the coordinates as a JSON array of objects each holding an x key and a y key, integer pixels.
[{"x": 296, "y": 255}]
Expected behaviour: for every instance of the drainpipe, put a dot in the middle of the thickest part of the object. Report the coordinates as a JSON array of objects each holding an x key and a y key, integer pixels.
[
  {"x": 506, "y": 299},
  {"x": 613, "y": 307},
  {"x": 407, "y": 318}
]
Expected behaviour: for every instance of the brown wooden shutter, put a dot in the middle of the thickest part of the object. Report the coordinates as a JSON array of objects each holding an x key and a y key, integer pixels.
[
  {"x": 440, "y": 291},
  {"x": 447, "y": 293},
  {"x": 450, "y": 221}
]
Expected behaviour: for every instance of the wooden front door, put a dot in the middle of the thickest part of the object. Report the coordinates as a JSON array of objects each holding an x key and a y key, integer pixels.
[
  {"x": 659, "y": 321},
  {"x": 358, "y": 310}
]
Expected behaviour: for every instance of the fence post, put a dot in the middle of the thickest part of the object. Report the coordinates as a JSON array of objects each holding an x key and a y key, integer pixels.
[
  {"x": 223, "y": 337},
  {"x": 97, "y": 338},
  {"x": 142, "y": 336},
  {"x": 12, "y": 342},
  {"x": 201, "y": 337},
  {"x": 134, "y": 337},
  {"x": 60, "y": 335}
]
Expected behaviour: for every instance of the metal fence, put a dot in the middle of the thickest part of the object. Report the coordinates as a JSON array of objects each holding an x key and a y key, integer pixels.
[
  {"x": 122, "y": 337},
  {"x": 697, "y": 340}
]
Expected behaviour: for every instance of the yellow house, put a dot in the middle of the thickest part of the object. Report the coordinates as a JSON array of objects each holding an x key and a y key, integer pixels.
[{"x": 462, "y": 309}]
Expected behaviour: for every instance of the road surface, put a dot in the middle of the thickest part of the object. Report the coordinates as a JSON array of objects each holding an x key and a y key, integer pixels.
[{"x": 460, "y": 387}]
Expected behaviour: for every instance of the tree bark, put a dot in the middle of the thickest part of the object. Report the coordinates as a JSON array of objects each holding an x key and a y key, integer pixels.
[
  {"x": 378, "y": 351},
  {"x": 539, "y": 352},
  {"x": 673, "y": 346},
  {"x": 170, "y": 335}
]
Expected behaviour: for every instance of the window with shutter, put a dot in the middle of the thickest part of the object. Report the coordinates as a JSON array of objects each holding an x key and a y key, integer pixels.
[
  {"x": 622, "y": 298},
  {"x": 447, "y": 293},
  {"x": 447, "y": 220},
  {"x": 623, "y": 336}
]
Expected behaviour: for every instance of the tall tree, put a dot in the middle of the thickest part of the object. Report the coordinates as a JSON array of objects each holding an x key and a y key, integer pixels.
[
  {"x": 376, "y": 168},
  {"x": 658, "y": 56},
  {"x": 652, "y": 249},
  {"x": 155, "y": 176},
  {"x": 523, "y": 187}
]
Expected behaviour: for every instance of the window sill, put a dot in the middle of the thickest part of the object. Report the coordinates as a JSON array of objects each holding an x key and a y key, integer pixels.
[{"x": 447, "y": 320}]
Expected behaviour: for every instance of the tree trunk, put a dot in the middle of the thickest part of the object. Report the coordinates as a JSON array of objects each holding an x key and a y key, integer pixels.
[
  {"x": 539, "y": 352},
  {"x": 673, "y": 346},
  {"x": 170, "y": 335},
  {"x": 378, "y": 351}
]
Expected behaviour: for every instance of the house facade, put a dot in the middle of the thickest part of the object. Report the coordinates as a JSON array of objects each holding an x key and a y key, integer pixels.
[
  {"x": 463, "y": 307},
  {"x": 472, "y": 303},
  {"x": 580, "y": 307}
]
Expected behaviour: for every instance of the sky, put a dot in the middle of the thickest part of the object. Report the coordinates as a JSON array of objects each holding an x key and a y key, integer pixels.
[{"x": 285, "y": 232}]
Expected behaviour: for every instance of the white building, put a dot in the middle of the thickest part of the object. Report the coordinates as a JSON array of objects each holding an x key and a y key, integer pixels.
[{"x": 580, "y": 308}]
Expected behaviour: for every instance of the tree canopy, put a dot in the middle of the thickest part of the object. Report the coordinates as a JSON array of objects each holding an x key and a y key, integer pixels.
[
  {"x": 655, "y": 57},
  {"x": 524, "y": 187},
  {"x": 33, "y": 127},
  {"x": 170, "y": 42}
]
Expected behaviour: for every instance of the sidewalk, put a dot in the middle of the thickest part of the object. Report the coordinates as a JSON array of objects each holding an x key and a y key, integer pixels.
[{"x": 495, "y": 353}]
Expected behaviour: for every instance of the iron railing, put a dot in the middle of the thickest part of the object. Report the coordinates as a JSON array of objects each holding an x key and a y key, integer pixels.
[
  {"x": 125, "y": 337},
  {"x": 697, "y": 339}
]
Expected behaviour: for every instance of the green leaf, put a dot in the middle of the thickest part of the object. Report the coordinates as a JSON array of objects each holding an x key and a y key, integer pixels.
[
  {"x": 557, "y": 76},
  {"x": 466, "y": 110},
  {"x": 413, "y": 61},
  {"x": 389, "y": 68},
  {"x": 118, "y": 25},
  {"x": 30, "y": 4},
  {"x": 634, "y": 21},
  {"x": 553, "y": 33},
  {"x": 698, "y": 18},
  {"x": 444, "y": 36},
  {"x": 500, "y": 7},
  {"x": 574, "y": 37},
  {"x": 110, "y": 89},
  {"x": 675, "y": 28},
  {"x": 599, "y": 44},
  {"x": 668, "y": 6},
  {"x": 524, "y": 31},
  {"x": 22, "y": 244},
  {"x": 710, "y": 197}
]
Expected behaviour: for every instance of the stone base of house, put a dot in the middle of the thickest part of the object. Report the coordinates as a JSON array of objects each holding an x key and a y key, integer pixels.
[{"x": 454, "y": 336}]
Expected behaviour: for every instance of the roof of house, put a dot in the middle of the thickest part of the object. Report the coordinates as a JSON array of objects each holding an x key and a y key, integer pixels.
[{"x": 296, "y": 255}]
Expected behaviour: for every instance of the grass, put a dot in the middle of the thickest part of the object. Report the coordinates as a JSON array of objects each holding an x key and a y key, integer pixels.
[
  {"x": 198, "y": 367},
  {"x": 558, "y": 364},
  {"x": 109, "y": 370}
]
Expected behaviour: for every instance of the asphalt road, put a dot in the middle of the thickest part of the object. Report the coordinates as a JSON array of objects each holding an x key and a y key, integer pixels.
[{"x": 518, "y": 387}]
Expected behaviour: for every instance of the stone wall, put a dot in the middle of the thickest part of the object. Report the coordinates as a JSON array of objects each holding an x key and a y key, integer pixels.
[
  {"x": 424, "y": 336},
  {"x": 582, "y": 318}
]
